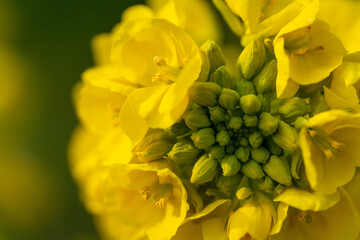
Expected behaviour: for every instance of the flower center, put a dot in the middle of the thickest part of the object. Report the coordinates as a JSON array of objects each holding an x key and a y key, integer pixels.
[
  {"x": 305, "y": 217},
  {"x": 165, "y": 73},
  {"x": 298, "y": 41},
  {"x": 157, "y": 193}
]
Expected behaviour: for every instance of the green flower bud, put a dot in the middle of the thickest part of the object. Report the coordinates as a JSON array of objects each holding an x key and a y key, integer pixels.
[
  {"x": 294, "y": 107},
  {"x": 260, "y": 154},
  {"x": 205, "y": 93},
  {"x": 204, "y": 138},
  {"x": 255, "y": 139},
  {"x": 217, "y": 152},
  {"x": 243, "y": 193},
  {"x": 228, "y": 184},
  {"x": 223, "y": 138},
  {"x": 299, "y": 123},
  {"x": 264, "y": 185},
  {"x": 230, "y": 149},
  {"x": 279, "y": 170},
  {"x": 272, "y": 146},
  {"x": 252, "y": 170},
  {"x": 214, "y": 53},
  {"x": 275, "y": 104},
  {"x": 205, "y": 68},
  {"x": 223, "y": 78},
  {"x": 296, "y": 162},
  {"x": 235, "y": 123},
  {"x": 250, "y": 120},
  {"x": 251, "y": 59},
  {"x": 244, "y": 141},
  {"x": 153, "y": 147},
  {"x": 158, "y": 136},
  {"x": 265, "y": 103},
  {"x": 217, "y": 114},
  {"x": 205, "y": 170},
  {"x": 230, "y": 165},
  {"x": 177, "y": 129},
  {"x": 265, "y": 81},
  {"x": 268, "y": 124},
  {"x": 197, "y": 118},
  {"x": 245, "y": 87},
  {"x": 286, "y": 137},
  {"x": 250, "y": 104},
  {"x": 279, "y": 189},
  {"x": 243, "y": 153},
  {"x": 184, "y": 151},
  {"x": 229, "y": 99}
]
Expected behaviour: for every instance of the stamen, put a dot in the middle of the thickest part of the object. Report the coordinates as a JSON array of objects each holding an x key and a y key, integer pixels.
[
  {"x": 305, "y": 217},
  {"x": 159, "y": 61},
  {"x": 145, "y": 192},
  {"x": 160, "y": 203}
]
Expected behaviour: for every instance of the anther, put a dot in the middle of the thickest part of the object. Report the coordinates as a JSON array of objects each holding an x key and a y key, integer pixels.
[
  {"x": 145, "y": 192},
  {"x": 159, "y": 61}
]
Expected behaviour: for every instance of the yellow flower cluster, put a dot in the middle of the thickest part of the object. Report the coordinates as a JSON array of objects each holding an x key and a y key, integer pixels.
[{"x": 173, "y": 145}]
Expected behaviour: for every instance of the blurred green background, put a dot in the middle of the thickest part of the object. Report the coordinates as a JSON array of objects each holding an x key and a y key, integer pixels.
[{"x": 44, "y": 48}]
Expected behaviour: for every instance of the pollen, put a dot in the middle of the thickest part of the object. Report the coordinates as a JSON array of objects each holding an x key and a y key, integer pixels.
[
  {"x": 145, "y": 192},
  {"x": 159, "y": 61}
]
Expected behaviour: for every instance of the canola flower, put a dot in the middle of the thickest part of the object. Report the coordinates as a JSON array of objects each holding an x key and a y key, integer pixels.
[{"x": 174, "y": 145}]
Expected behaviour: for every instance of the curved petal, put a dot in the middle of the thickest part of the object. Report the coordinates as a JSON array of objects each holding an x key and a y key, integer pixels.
[{"x": 249, "y": 11}]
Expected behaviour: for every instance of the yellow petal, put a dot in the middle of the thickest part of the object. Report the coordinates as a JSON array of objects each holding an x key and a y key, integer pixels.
[
  {"x": 282, "y": 210},
  {"x": 249, "y": 11},
  {"x": 101, "y": 46},
  {"x": 137, "y": 12},
  {"x": 214, "y": 229},
  {"x": 337, "y": 102}
]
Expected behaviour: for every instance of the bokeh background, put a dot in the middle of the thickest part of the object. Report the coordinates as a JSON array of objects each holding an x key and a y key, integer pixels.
[{"x": 44, "y": 47}]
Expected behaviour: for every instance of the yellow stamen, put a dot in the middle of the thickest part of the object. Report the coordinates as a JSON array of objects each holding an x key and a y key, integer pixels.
[
  {"x": 145, "y": 192},
  {"x": 160, "y": 203},
  {"x": 159, "y": 61},
  {"x": 305, "y": 217}
]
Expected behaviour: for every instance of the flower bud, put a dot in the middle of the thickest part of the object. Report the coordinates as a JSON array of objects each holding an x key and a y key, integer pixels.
[
  {"x": 229, "y": 99},
  {"x": 243, "y": 193},
  {"x": 243, "y": 153},
  {"x": 235, "y": 123},
  {"x": 184, "y": 151},
  {"x": 227, "y": 184},
  {"x": 245, "y": 87},
  {"x": 296, "y": 162},
  {"x": 204, "y": 138},
  {"x": 217, "y": 114},
  {"x": 223, "y": 78},
  {"x": 250, "y": 120},
  {"x": 205, "y": 93},
  {"x": 154, "y": 151},
  {"x": 205, "y": 170},
  {"x": 214, "y": 53},
  {"x": 223, "y": 138},
  {"x": 272, "y": 146},
  {"x": 268, "y": 124},
  {"x": 275, "y": 104},
  {"x": 265, "y": 81},
  {"x": 177, "y": 129},
  {"x": 244, "y": 141},
  {"x": 255, "y": 139},
  {"x": 265, "y": 102},
  {"x": 299, "y": 123},
  {"x": 279, "y": 170},
  {"x": 265, "y": 185},
  {"x": 158, "y": 136},
  {"x": 286, "y": 137},
  {"x": 230, "y": 149},
  {"x": 217, "y": 152},
  {"x": 230, "y": 165},
  {"x": 250, "y": 104},
  {"x": 260, "y": 154},
  {"x": 197, "y": 118},
  {"x": 252, "y": 170},
  {"x": 251, "y": 59},
  {"x": 294, "y": 107}
]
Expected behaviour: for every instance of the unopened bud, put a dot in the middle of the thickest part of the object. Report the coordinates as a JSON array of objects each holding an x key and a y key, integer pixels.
[
  {"x": 244, "y": 141},
  {"x": 245, "y": 87},
  {"x": 204, "y": 138},
  {"x": 260, "y": 154},
  {"x": 279, "y": 170},
  {"x": 251, "y": 59},
  {"x": 250, "y": 104},
  {"x": 223, "y": 78},
  {"x": 300, "y": 122},
  {"x": 223, "y": 138},
  {"x": 286, "y": 137},
  {"x": 268, "y": 124},
  {"x": 243, "y": 153},
  {"x": 294, "y": 107},
  {"x": 197, "y": 118},
  {"x": 154, "y": 151},
  {"x": 265, "y": 81},
  {"x": 217, "y": 152},
  {"x": 264, "y": 185},
  {"x": 250, "y": 120},
  {"x": 177, "y": 129},
  {"x": 184, "y": 151},
  {"x": 235, "y": 123},
  {"x": 296, "y": 162},
  {"x": 252, "y": 170},
  {"x": 205, "y": 170},
  {"x": 228, "y": 184},
  {"x": 275, "y": 104},
  {"x": 255, "y": 139},
  {"x": 230, "y": 165},
  {"x": 265, "y": 103},
  {"x": 272, "y": 146},
  {"x": 158, "y": 136},
  {"x": 229, "y": 99},
  {"x": 205, "y": 93},
  {"x": 243, "y": 193},
  {"x": 217, "y": 114},
  {"x": 214, "y": 53},
  {"x": 230, "y": 149}
]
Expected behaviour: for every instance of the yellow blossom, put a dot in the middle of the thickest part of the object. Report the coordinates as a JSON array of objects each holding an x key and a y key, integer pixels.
[
  {"x": 150, "y": 198},
  {"x": 329, "y": 143},
  {"x": 315, "y": 216}
]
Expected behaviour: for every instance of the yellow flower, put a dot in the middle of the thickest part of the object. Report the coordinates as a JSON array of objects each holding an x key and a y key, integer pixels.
[
  {"x": 315, "y": 216},
  {"x": 150, "y": 198},
  {"x": 208, "y": 224},
  {"x": 330, "y": 147},
  {"x": 345, "y": 85},
  {"x": 164, "y": 61}
]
